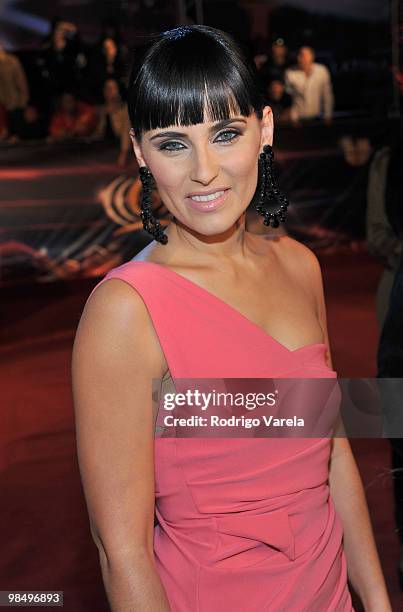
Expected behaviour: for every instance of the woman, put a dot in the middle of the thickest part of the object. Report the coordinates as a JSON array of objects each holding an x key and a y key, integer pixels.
[
  {"x": 113, "y": 122},
  {"x": 243, "y": 524},
  {"x": 107, "y": 63}
]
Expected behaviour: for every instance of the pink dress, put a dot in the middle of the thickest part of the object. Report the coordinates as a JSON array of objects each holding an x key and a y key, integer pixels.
[{"x": 244, "y": 524}]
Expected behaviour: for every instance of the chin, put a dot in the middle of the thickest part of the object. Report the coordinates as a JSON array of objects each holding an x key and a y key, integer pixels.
[{"x": 213, "y": 225}]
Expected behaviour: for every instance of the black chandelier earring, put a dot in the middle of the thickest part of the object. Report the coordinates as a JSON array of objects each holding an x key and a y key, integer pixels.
[
  {"x": 150, "y": 223},
  {"x": 271, "y": 202}
]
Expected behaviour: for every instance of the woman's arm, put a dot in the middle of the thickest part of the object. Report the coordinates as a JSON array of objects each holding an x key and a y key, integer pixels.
[
  {"x": 116, "y": 355},
  {"x": 363, "y": 565},
  {"x": 347, "y": 491}
]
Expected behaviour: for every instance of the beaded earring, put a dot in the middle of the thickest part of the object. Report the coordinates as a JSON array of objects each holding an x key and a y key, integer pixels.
[
  {"x": 150, "y": 223},
  {"x": 271, "y": 202}
]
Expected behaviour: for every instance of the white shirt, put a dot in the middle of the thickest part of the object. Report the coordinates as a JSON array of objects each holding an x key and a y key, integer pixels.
[{"x": 312, "y": 94}]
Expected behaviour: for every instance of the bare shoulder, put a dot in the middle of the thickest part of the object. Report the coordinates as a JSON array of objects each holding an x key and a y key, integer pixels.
[
  {"x": 301, "y": 259},
  {"x": 304, "y": 268},
  {"x": 305, "y": 265},
  {"x": 115, "y": 298},
  {"x": 115, "y": 319}
]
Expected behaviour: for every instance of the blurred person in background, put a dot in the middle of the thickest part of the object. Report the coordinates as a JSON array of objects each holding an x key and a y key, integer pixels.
[
  {"x": 390, "y": 366},
  {"x": 3, "y": 124},
  {"x": 113, "y": 120},
  {"x": 111, "y": 29},
  {"x": 106, "y": 63},
  {"x": 33, "y": 126},
  {"x": 385, "y": 240},
  {"x": 279, "y": 100},
  {"x": 14, "y": 91},
  {"x": 273, "y": 69},
  {"x": 259, "y": 50},
  {"x": 73, "y": 119},
  {"x": 64, "y": 60},
  {"x": 310, "y": 87}
]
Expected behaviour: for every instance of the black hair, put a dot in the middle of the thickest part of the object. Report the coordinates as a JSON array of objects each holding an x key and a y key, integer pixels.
[
  {"x": 188, "y": 70},
  {"x": 278, "y": 79}
]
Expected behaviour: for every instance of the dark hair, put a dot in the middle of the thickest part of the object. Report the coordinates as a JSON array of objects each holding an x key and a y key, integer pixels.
[
  {"x": 185, "y": 70},
  {"x": 276, "y": 79}
]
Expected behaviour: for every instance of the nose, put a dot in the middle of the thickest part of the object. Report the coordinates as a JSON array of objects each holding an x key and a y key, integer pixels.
[{"x": 204, "y": 166}]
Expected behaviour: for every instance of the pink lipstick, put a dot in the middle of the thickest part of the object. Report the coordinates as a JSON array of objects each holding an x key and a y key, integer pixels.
[{"x": 207, "y": 201}]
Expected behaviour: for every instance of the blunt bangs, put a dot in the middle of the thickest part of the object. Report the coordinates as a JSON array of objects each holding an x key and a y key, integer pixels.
[{"x": 190, "y": 75}]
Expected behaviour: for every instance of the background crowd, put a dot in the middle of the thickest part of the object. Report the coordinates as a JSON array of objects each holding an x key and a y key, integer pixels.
[
  {"x": 80, "y": 93},
  {"x": 330, "y": 71},
  {"x": 72, "y": 89}
]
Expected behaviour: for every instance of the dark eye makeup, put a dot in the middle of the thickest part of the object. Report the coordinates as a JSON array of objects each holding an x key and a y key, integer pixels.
[
  {"x": 233, "y": 132},
  {"x": 226, "y": 136}
]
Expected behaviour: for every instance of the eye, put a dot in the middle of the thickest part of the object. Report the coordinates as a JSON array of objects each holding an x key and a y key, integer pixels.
[
  {"x": 171, "y": 145},
  {"x": 227, "y": 136}
]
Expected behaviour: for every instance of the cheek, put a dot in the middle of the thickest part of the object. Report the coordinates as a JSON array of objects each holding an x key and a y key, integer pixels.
[
  {"x": 169, "y": 174},
  {"x": 243, "y": 167}
]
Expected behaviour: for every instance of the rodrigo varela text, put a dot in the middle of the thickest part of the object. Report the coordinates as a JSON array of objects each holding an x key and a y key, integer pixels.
[{"x": 233, "y": 421}]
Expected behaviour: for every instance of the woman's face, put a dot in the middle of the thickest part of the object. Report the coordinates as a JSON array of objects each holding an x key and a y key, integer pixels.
[{"x": 206, "y": 174}]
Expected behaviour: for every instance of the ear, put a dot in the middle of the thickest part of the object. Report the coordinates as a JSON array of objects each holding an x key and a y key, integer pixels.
[
  {"x": 137, "y": 149},
  {"x": 267, "y": 126}
]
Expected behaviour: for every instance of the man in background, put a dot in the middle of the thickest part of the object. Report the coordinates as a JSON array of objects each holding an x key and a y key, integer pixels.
[
  {"x": 310, "y": 87},
  {"x": 275, "y": 64}
]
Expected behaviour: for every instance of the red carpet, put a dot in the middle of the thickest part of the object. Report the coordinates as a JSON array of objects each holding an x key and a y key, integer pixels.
[{"x": 46, "y": 543}]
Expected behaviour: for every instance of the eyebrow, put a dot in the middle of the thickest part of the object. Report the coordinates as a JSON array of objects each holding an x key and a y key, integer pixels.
[{"x": 214, "y": 128}]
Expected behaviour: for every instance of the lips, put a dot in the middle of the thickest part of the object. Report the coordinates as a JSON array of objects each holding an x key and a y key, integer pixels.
[
  {"x": 207, "y": 191},
  {"x": 207, "y": 197},
  {"x": 207, "y": 200}
]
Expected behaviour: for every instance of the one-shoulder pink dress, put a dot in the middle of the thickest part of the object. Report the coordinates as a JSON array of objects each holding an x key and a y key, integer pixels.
[{"x": 244, "y": 524}]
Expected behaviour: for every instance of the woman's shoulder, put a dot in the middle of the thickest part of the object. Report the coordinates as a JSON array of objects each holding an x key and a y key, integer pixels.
[
  {"x": 301, "y": 261},
  {"x": 115, "y": 313},
  {"x": 153, "y": 252},
  {"x": 116, "y": 300},
  {"x": 121, "y": 292},
  {"x": 117, "y": 295},
  {"x": 297, "y": 251}
]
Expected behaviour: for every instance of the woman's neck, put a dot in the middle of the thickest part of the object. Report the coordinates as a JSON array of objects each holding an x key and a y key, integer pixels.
[{"x": 188, "y": 245}]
